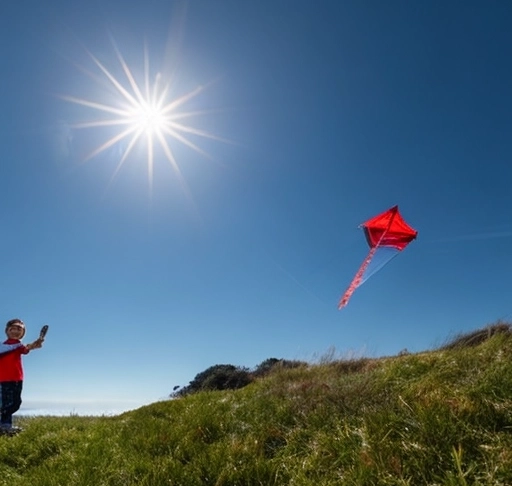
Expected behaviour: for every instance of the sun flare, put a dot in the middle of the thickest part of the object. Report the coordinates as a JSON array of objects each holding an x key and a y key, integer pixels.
[
  {"x": 141, "y": 113},
  {"x": 149, "y": 119}
]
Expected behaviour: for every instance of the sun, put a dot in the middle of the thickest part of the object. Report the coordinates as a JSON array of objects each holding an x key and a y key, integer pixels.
[
  {"x": 149, "y": 119},
  {"x": 141, "y": 113}
]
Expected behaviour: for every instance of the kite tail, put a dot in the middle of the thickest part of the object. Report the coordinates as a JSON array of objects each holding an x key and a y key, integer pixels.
[{"x": 357, "y": 279}]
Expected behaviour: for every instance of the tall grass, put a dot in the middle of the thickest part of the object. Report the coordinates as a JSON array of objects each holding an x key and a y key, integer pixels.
[{"x": 442, "y": 417}]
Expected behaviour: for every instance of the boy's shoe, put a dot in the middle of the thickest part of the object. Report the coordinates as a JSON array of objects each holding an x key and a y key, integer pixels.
[{"x": 9, "y": 429}]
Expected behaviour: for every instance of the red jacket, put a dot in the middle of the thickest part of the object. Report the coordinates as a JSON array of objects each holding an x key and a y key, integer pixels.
[{"x": 11, "y": 368}]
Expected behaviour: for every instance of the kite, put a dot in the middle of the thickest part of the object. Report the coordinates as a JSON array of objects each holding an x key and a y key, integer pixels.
[{"x": 387, "y": 234}]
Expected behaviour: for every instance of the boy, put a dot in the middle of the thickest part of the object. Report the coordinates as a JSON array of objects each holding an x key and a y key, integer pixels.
[{"x": 11, "y": 373}]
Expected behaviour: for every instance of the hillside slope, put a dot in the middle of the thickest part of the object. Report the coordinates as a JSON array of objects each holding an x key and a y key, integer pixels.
[{"x": 441, "y": 417}]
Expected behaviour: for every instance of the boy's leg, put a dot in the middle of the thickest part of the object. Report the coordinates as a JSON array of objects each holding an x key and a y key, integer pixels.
[
  {"x": 6, "y": 394},
  {"x": 10, "y": 401},
  {"x": 17, "y": 403}
]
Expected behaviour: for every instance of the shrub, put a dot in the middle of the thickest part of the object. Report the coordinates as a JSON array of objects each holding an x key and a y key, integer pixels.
[
  {"x": 218, "y": 377},
  {"x": 271, "y": 364}
]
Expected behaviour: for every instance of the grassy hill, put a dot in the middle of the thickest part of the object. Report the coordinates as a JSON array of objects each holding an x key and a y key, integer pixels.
[{"x": 440, "y": 417}]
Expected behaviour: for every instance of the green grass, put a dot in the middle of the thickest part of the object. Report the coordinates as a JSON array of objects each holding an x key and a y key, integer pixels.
[{"x": 438, "y": 418}]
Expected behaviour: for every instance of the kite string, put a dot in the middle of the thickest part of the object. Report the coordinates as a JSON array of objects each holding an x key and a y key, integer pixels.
[{"x": 382, "y": 257}]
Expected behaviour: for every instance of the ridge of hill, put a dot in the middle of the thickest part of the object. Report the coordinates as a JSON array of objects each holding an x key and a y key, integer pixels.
[{"x": 440, "y": 417}]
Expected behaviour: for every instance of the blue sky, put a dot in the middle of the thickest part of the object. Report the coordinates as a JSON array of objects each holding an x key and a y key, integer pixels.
[{"x": 320, "y": 115}]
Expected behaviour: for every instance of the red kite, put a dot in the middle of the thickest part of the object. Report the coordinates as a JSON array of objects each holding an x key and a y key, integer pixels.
[{"x": 387, "y": 231}]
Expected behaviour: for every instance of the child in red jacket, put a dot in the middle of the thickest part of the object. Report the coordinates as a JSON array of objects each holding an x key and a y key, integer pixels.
[{"x": 11, "y": 373}]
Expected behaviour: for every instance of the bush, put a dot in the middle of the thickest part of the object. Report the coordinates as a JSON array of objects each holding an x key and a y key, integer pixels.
[
  {"x": 218, "y": 377},
  {"x": 272, "y": 364}
]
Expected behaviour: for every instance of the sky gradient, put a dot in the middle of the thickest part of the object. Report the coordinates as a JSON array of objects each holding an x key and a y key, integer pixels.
[{"x": 318, "y": 116}]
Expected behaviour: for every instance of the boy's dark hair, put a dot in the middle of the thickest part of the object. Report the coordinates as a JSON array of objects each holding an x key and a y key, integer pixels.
[{"x": 14, "y": 321}]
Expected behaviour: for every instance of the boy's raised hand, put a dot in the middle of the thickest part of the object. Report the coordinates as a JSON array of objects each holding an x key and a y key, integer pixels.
[{"x": 38, "y": 343}]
